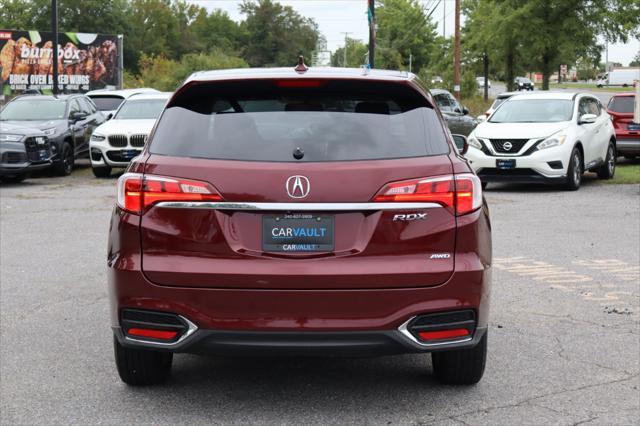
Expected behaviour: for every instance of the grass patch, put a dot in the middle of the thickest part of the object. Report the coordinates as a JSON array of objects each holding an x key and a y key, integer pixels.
[
  {"x": 591, "y": 87},
  {"x": 626, "y": 173},
  {"x": 476, "y": 105}
]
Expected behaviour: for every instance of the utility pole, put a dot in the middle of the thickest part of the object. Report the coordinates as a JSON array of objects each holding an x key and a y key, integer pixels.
[
  {"x": 485, "y": 63},
  {"x": 372, "y": 32},
  {"x": 344, "y": 58},
  {"x": 54, "y": 55},
  {"x": 456, "y": 54}
]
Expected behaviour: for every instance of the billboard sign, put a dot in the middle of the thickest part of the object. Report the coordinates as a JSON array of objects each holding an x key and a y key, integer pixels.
[{"x": 85, "y": 61}]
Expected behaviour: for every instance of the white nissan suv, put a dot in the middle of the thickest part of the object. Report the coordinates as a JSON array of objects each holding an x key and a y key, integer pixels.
[
  {"x": 547, "y": 137},
  {"x": 116, "y": 142}
]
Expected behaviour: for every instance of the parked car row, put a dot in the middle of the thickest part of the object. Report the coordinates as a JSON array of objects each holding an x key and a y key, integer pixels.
[
  {"x": 50, "y": 132},
  {"x": 117, "y": 141},
  {"x": 552, "y": 137},
  {"x": 66, "y": 120}
]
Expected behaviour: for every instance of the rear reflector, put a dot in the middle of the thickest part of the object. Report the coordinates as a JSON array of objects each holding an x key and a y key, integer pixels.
[
  {"x": 443, "y": 334},
  {"x": 136, "y": 193},
  {"x": 154, "y": 334},
  {"x": 460, "y": 193}
]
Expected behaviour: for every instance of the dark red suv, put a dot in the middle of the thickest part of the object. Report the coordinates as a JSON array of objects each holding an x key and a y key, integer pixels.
[
  {"x": 620, "y": 109},
  {"x": 300, "y": 212}
]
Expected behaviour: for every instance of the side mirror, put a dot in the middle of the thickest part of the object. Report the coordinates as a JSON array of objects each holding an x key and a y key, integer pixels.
[
  {"x": 461, "y": 143},
  {"x": 465, "y": 111},
  {"x": 77, "y": 116},
  {"x": 109, "y": 116},
  {"x": 587, "y": 119},
  {"x": 481, "y": 118}
]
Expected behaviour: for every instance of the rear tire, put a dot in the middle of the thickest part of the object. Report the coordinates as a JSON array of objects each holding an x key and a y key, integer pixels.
[
  {"x": 64, "y": 166},
  {"x": 484, "y": 185},
  {"x": 101, "y": 172},
  {"x": 608, "y": 169},
  {"x": 574, "y": 171},
  {"x": 141, "y": 367},
  {"x": 462, "y": 366}
]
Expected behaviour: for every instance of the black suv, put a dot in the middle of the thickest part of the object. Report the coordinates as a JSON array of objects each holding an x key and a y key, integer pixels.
[
  {"x": 523, "y": 83},
  {"x": 67, "y": 120},
  {"x": 22, "y": 151}
]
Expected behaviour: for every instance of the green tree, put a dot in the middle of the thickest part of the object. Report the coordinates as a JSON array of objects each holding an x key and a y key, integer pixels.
[
  {"x": 182, "y": 40},
  {"x": 542, "y": 34},
  {"x": 107, "y": 17},
  {"x": 636, "y": 61},
  {"x": 23, "y": 15},
  {"x": 276, "y": 34},
  {"x": 356, "y": 51},
  {"x": 496, "y": 28},
  {"x": 216, "y": 30},
  {"x": 151, "y": 24},
  {"x": 404, "y": 31}
]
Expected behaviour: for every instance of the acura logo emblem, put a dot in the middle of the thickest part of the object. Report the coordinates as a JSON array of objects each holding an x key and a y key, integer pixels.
[
  {"x": 298, "y": 186},
  {"x": 507, "y": 146}
]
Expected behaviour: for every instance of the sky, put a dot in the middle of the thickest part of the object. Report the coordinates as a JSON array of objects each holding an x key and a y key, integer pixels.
[{"x": 335, "y": 17}]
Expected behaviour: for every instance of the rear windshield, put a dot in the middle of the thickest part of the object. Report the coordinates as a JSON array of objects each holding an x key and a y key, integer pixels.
[
  {"x": 276, "y": 120},
  {"x": 621, "y": 104},
  {"x": 497, "y": 102},
  {"x": 107, "y": 103}
]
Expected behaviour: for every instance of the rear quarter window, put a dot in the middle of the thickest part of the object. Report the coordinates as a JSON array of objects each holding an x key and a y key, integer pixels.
[{"x": 332, "y": 121}]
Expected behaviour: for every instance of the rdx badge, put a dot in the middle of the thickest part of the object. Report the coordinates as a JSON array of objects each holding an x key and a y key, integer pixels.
[{"x": 411, "y": 216}]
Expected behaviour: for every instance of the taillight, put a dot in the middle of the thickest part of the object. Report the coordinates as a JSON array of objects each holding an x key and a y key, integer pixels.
[
  {"x": 136, "y": 193},
  {"x": 462, "y": 193}
]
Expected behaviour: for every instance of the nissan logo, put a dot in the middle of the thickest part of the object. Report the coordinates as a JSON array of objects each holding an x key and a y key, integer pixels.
[
  {"x": 507, "y": 146},
  {"x": 298, "y": 186}
]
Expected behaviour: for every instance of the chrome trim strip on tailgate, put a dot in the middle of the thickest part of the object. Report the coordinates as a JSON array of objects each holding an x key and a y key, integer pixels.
[{"x": 296, "y": 206}]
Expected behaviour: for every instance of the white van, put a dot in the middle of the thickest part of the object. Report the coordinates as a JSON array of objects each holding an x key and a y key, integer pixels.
[{"x": 619, "y": 77}]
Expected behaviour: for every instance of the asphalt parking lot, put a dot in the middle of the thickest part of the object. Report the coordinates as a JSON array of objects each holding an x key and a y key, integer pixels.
[{"x": 564, "y": 338}]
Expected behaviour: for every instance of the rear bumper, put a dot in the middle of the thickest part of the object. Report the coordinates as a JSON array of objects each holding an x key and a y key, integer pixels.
[
  {"x": 364, "y": 321},
  {"x": 628, "y": 146},
  {"x": 254, "y": 343}
]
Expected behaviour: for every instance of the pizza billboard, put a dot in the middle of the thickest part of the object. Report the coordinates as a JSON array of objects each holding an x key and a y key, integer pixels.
[{"x": 85, "y": 61}]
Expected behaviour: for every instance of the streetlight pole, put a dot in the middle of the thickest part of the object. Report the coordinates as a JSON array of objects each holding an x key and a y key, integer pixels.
[
  {"x": 444, "y": 18},
  {"x": 456, "y": 54},
  {"x": 344, "y": 58},
  {"x": 54, "y": 55}
]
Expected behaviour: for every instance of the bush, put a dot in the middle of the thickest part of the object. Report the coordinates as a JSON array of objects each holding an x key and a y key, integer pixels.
[
  {"x": 468, "y": 84},
  {"x": 167, "y": 74}
]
